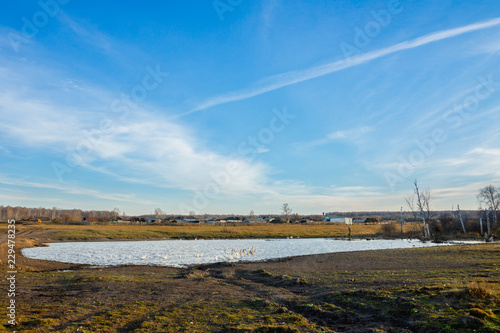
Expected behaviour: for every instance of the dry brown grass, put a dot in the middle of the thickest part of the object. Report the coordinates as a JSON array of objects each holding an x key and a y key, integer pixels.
[
  {"x": 102, "y": 232},
  {"x": 480, "y": 289},
  {"x": 389, "y": 229}
]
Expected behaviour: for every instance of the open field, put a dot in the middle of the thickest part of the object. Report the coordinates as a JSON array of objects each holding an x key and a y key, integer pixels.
[
  {"x": 444, "y": 289},
  {"x": 58, "y": 232}
]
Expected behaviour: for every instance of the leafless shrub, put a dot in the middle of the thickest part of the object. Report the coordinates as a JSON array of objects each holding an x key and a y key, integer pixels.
[{"x": 389, "y": 229}]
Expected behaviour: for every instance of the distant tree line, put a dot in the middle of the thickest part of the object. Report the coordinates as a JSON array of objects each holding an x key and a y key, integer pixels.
[{"x": 53, "y": 214}]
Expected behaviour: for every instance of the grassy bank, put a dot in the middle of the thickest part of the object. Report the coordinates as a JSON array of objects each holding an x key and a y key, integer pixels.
[
  {"x": 447, "y": 289},
  {"x": 438, "y": 289}
]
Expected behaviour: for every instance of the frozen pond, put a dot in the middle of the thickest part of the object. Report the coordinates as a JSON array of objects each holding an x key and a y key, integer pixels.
[{"x": 183, "y": 253}]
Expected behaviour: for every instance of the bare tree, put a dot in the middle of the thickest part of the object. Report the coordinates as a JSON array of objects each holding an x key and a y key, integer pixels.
[
  {"x": 410, "y": 201},
  {"x": 461, "y": 219},
  {"x": 159, "y": 214},
  {"x": 426, "y": 197},
  {"x": 490, "y": 196},
  {"x": 252, "y": 214},
  {"x": 10, "y": 213},
  {"x": 286, "y": 212},
  {"x": 421, "y": 201}
]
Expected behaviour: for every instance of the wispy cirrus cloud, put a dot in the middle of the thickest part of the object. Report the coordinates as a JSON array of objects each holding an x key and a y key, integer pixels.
[
  {"x": 484, "y": 161},
  {"x": 142, "y": 148},
  {"x": 72, "y": 189},
  {"x": 343, "y": 201},
  {"x": 292, "y": 77},
  {"x": 267, "y": 15},
  {"x": 86, "y": 34},
  {"x": 4, "y": 150},
  {"x": 351, "y": 135}
]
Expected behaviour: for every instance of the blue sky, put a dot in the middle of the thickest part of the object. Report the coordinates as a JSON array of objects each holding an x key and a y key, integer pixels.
[{"x": 231, "y": 106}]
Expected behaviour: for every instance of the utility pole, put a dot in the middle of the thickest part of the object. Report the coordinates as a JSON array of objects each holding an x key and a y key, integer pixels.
[
  {"x": 401, "y": 220},
  {"x": 488, "y": 222}
]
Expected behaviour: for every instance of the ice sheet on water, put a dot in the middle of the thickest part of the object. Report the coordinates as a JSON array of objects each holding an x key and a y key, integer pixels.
[{"x": 183, "y": 253}]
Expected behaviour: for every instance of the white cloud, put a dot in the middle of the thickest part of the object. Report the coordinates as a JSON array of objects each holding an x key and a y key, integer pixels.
[
  {"x": 351, "y": 135},
  {"x": 357, "y": 190},
  {"x": 337, "y": 135},
  {"x": 262, "y": 150},
  {"x": 142, "y": 147},
  {"x": 492, "y": 152},
  {"x": 38, "y": 122},
  {"x": 157, "y": 149}
]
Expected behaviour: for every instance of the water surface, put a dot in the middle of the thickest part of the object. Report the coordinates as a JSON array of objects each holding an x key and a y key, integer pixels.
[{"x": 183, "y": 253}]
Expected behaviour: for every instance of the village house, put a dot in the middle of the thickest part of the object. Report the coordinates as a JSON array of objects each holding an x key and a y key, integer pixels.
[{"x": 90, "y": 220}]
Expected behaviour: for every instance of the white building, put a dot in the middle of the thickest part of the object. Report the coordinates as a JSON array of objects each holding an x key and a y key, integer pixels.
[{"x": 346, "y": 220}]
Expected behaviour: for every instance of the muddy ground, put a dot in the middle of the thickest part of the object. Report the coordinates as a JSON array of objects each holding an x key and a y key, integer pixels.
[{"x": 446, "y": 289}]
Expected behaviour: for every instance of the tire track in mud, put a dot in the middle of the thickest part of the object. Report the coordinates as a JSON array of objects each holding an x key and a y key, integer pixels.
[
  {"x": 295, "y": 295},
  {"x": 29, "y": 231},
  {"x": 271, "y": 290}
]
